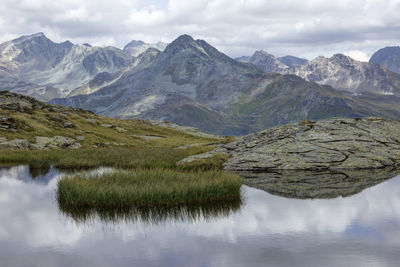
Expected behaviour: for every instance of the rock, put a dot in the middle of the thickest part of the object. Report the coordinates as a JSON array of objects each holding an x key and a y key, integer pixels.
[
  {"x": 14, "y": 144},
  {"x": 68, "y": 124},
  {"x": 92, "y": 121},
  {"x": 114, "y": 126},
  {"x": 108, "y": 125},
  {"x": 59, "y": 118},
  {"x": 20, "y": 103},
  {"x": 330, "y": 144},
  {"x": 80, "y": 137},
  {"x": 148, "y": 137},
  {"x": 42, "y": 142},
  {"x": 202, "y": 156},
  {"x": 120, "y": 129},
  {"x": 7, "y": 123}
]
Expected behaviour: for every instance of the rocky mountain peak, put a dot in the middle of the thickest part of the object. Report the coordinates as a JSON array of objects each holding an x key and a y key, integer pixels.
[
  {"x": 36, "y": 37},
  {"x": 343, "y": 59},
  {"x": 389, "y": 57},
  {"x": 267, "y": 62},
  {"x": 136, "y": 47},
  {"x": 181, "y": 43},
  {"x": 134, "y": 43}
]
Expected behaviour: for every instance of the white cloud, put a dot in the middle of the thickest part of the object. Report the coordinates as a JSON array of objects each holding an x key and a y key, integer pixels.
[
  {"x": 358, "y": 55},
  {"x": 308, "y": 29}
]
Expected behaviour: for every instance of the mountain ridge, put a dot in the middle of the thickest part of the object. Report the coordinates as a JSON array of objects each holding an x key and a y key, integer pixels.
[{"x": 191, "y": 77}]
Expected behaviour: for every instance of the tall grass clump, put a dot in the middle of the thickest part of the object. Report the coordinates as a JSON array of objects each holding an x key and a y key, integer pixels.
[{"x": 146, "y": 188}]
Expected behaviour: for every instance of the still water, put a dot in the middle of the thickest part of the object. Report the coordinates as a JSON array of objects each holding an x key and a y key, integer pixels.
[{"x": 362, "y": 229}]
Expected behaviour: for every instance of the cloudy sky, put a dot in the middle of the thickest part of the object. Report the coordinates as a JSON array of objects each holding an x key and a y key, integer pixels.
[{"x": 304, "y": 28}]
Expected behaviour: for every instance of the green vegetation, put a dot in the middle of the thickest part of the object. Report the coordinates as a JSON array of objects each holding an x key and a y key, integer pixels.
[
  {"x": 144, "y": 188},
  {"x": 143, "y": 156}
]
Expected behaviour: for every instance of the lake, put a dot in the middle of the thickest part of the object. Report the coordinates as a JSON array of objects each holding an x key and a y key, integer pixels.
[{"x": 278, "y": 229}]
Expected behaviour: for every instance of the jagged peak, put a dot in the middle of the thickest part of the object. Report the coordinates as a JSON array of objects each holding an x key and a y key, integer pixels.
[
  {"x": 134, "y": 43},
  {"x": 67, "y": 43},
  {"x": 184, "y": 38},
  {"x": 38, "y": 34},
  {"x": 262, "y": 52},
  {"x": 340, "y": 55},
  {"x": 341, "y": 58},
  {"x": 181, "y": 43},
  {"x": 24, "y": 38}
]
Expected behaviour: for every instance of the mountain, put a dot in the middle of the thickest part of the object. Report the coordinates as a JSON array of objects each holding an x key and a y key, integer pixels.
[
  {"x": 270, "y": 59},
  {"x": 267, "y": 62},
  {"x": 105, "y": 78},
  {"x": 347, "y": 74},
  {"x": 192, "y": 83},
  {"x": 244, "y": 59},
  {"x": 389, "y": 57},
  {"x": 135, "y": 48},
  {"x": 291, "y": 60},
  {"x": 43, "y": 64}
]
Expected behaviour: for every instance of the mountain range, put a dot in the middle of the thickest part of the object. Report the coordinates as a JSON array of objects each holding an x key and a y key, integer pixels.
[
  {"x": 190, "y": 82},
  {"x": 36, "y": 66}
]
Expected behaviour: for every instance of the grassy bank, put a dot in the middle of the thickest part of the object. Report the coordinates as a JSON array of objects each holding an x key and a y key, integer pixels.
[
  {"x": 146, "y": 188},
  {"x": 142, "y": 157},
  {"x": 143, "y": 154}
]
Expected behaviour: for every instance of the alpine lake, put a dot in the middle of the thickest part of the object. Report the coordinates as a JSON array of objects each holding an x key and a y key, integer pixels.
[{"x": 283, "y": 219}]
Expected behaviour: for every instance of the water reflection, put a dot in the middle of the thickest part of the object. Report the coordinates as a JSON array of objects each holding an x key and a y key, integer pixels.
[
  {"x": 267, "y": 230},
  {"x": 154, "y": 215},
  {"x": 318, "y": 184}
]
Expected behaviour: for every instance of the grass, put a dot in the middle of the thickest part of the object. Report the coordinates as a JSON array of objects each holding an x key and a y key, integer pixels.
[
  {"x": 145, "y": 173},
  {"x": 117, "y": 157},
  {"x": 146, "y": 188}
]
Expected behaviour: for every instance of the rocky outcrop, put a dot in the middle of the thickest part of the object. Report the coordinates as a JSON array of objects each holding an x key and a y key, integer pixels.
[
  {"x": 41, "y": 142},
  {"x": 7, "y": 123},
  {"x": 331, "y": 144},
  {"x": 26, "y": 104}
]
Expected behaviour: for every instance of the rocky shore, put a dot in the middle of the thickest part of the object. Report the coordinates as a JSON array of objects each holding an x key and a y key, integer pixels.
[{"x": 331, "y": 144}]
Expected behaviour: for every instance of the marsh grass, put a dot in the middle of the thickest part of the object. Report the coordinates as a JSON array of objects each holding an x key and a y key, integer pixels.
[
  {"x": 144, "y": 157},
  {"x": 146, "y": 188}
]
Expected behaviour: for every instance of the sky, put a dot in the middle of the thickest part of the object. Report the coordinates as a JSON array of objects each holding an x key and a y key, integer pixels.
[{"x": 305, "y": 28}]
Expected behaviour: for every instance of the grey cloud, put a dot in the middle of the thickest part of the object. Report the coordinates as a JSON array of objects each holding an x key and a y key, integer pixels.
[{"x": 307, "y": 28}]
